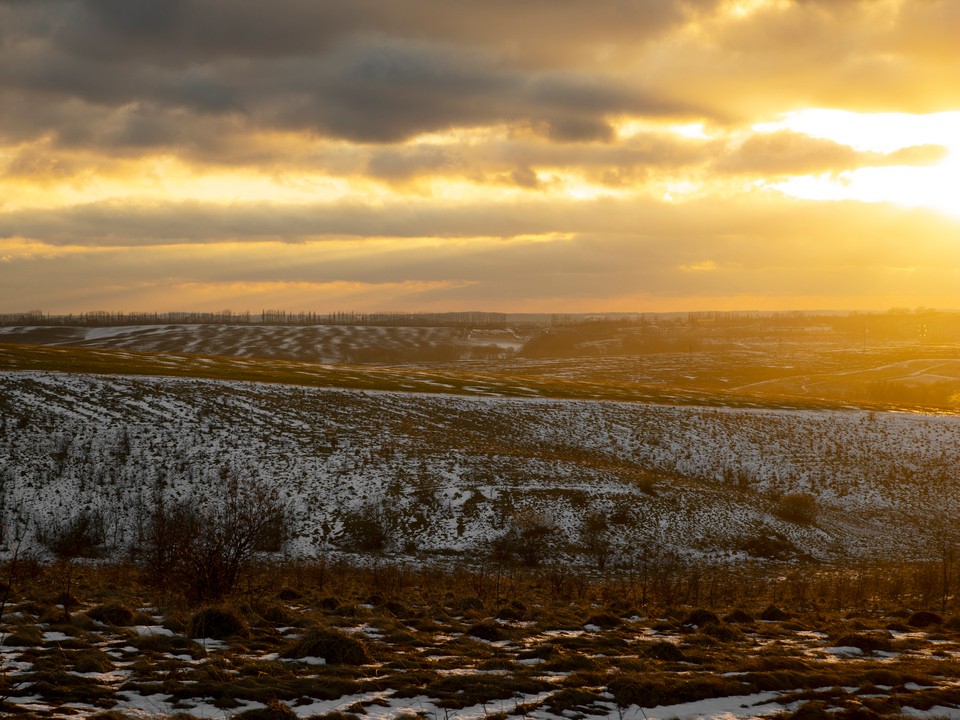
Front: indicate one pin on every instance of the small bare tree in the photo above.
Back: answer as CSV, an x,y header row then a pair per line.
x,y
81,535
203,548
595,538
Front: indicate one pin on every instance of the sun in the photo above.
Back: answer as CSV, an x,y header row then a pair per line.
x,y
934,186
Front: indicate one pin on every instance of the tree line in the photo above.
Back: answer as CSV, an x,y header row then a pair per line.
x,y
265,317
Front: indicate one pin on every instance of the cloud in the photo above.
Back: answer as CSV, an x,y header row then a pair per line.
x,y
791,153
762,224
419,144
707,250
881,55
364,71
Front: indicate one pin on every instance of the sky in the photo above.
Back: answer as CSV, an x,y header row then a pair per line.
x,y
499,155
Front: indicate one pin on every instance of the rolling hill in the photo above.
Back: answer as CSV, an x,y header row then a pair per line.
x,y
447,472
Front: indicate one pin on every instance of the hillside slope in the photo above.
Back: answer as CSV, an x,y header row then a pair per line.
x,y
448,473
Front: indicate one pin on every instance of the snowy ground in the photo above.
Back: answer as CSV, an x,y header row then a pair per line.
x,y
318,343
448,473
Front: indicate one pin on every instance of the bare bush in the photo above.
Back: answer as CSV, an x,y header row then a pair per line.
x,y
203,549
81,535
595,538
526,539
800,508
367,529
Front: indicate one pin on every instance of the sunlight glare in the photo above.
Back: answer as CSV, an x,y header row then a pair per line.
x,y
933,186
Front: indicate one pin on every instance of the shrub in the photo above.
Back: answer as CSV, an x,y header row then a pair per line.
x,y
82,535
526,539
218,623
471,603
800,508
768,544
288,594
595,538
334,646
203,549
367,529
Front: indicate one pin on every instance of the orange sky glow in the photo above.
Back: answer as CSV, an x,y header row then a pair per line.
x,y
427,155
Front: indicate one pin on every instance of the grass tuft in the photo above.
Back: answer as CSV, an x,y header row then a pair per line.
x,y
334,646
218,623
924,619
112,614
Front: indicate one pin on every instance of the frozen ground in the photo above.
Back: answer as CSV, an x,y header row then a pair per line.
x,y
426,658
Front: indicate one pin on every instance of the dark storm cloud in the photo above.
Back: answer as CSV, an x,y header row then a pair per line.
x,y
182,31
365,71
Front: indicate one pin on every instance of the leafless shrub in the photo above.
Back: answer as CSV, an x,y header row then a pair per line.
x,y
203,549
526,539
595,538
81,535
367,529
800,508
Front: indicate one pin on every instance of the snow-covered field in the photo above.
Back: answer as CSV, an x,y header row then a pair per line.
x,y
315,343
447,473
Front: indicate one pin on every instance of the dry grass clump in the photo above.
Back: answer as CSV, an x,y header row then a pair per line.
x,y
865,642
739,617
652,689
334,646
460,691
774,614
218,623
605,620
112,614
24,636
168,645
663,650
488,630
924,619
275,710
577,657
701,617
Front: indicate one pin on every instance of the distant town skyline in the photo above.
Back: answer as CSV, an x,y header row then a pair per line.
x,y
533,157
